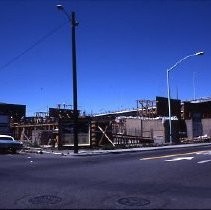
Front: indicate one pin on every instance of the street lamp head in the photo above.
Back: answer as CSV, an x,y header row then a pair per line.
x,y
199,53
60,7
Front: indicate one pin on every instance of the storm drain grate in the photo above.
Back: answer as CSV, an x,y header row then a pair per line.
x,y
45,199
133,201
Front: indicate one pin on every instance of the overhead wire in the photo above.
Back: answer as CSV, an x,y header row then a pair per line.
x,y
39,41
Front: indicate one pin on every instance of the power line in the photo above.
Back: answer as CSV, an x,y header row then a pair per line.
x,y
42,39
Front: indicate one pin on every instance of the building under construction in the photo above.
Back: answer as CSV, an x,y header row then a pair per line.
x,y
197,116
146,125
191,120
53,128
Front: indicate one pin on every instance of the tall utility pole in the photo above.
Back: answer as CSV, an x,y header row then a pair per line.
x,y
73,24
75,96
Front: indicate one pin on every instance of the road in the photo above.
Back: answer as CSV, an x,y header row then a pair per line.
x,y
142,180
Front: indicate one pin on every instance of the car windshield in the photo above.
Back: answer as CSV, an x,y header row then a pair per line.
x,y
6,138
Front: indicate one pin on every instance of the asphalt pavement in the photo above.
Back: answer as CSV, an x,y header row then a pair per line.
x,y
174,178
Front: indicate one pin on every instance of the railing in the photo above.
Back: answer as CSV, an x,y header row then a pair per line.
x,y
131,141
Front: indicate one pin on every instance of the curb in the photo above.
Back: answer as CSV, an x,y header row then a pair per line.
x,y
143,149
117,151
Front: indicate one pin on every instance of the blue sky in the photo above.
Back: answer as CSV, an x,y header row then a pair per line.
x,y
123,50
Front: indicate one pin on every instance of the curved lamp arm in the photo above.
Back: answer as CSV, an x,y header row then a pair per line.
x,y
179,61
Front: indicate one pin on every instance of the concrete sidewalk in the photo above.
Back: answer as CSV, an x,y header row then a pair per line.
x,y
90,152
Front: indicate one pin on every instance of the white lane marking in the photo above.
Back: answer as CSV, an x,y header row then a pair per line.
x,y
204,161
203,153
206,153
199,153
57,153
180,158
168,156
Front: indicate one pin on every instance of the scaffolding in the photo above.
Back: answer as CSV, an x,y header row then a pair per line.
x,y
146,108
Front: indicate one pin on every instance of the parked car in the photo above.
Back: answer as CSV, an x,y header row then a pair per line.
x,y
8,143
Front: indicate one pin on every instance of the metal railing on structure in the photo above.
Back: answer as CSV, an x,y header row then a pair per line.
x,y
131,141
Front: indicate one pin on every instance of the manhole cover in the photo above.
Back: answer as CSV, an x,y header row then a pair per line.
x,y
133,201
45,199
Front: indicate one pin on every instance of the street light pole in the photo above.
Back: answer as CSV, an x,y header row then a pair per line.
x,y
169,106
194,87
168,90
73,24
